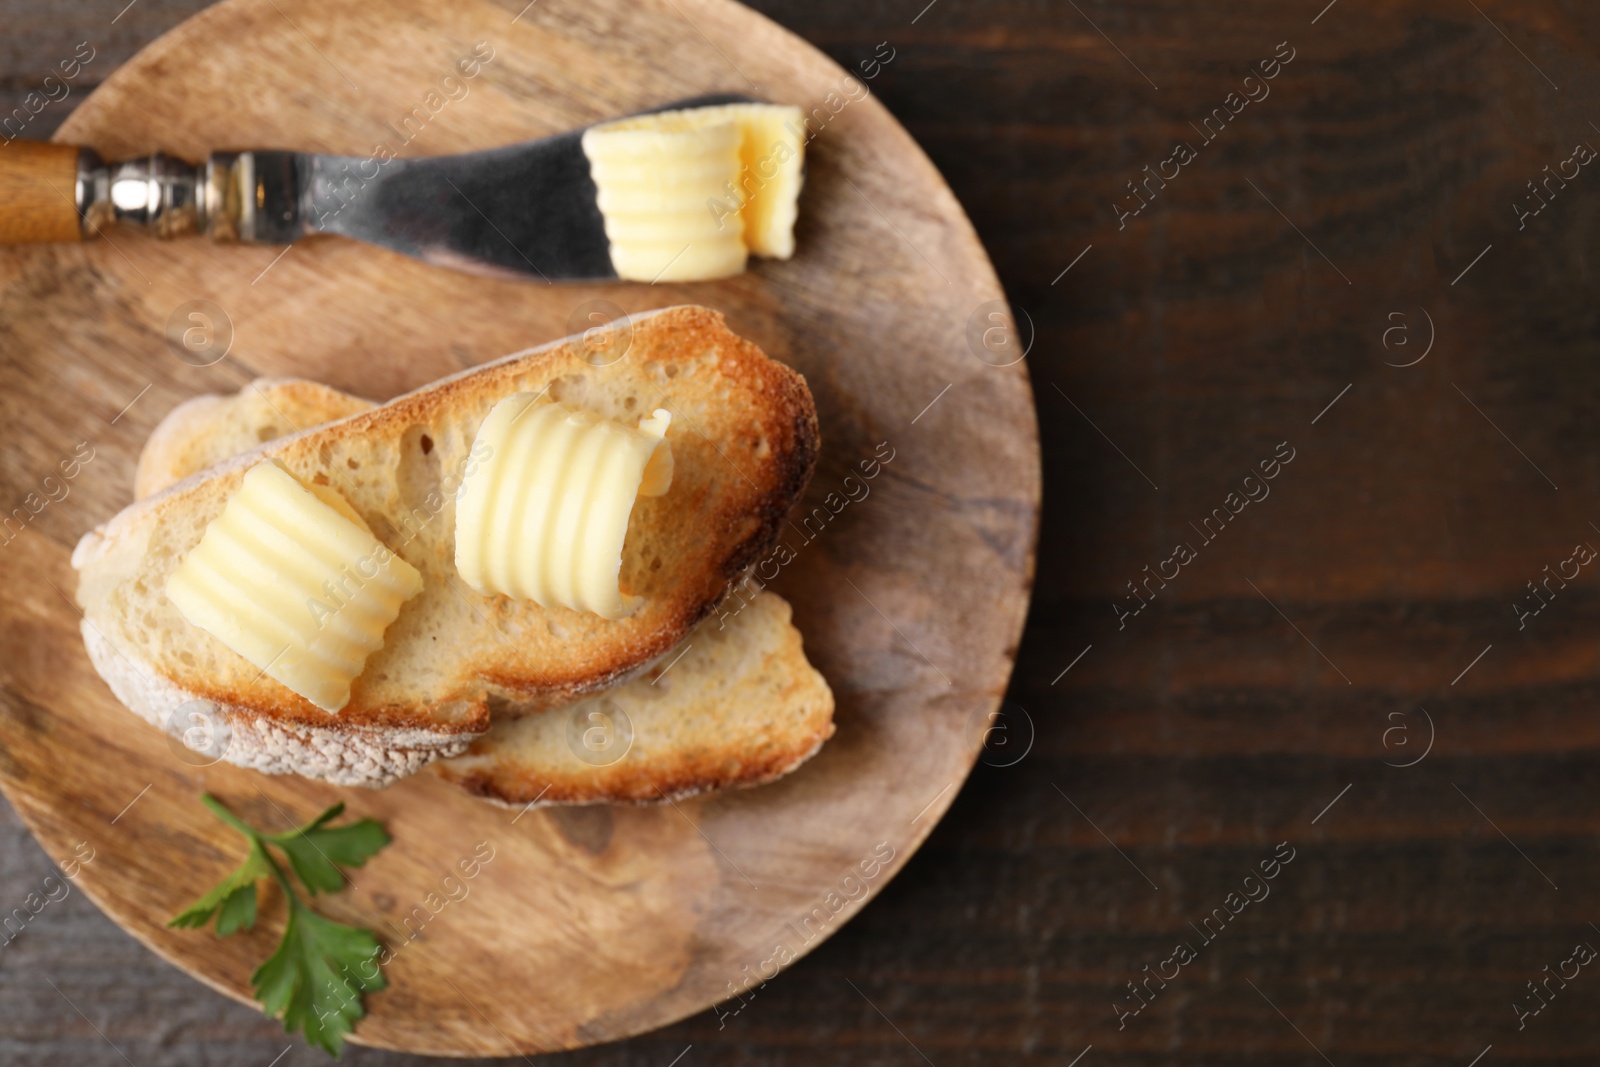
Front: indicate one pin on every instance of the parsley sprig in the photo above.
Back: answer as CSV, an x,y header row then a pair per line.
x,y
315,979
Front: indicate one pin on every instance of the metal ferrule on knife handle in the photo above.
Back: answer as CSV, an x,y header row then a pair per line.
x,y
234,196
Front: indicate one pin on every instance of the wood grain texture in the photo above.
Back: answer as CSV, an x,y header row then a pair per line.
x,y
37,180
585,926
1208,730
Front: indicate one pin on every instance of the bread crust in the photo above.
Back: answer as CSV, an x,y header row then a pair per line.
x,y
737,479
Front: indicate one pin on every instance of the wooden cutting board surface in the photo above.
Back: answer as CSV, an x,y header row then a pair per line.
x,y
585,924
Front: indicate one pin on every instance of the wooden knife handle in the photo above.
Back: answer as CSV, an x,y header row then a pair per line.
x,y
38,182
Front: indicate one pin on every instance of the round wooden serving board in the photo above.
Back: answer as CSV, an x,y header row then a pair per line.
x,y
587,924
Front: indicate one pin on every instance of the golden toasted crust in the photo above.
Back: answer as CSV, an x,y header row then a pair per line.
x,y
744,438
740,707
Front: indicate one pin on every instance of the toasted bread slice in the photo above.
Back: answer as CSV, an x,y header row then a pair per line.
x,y
744,440
740,706
737,705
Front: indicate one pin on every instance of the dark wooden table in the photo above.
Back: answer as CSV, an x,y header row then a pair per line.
x,y
1340,280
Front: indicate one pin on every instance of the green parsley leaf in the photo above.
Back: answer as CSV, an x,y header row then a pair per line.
x,y
316,978
238,912
316,851
232,900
